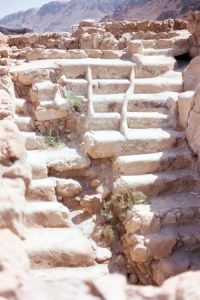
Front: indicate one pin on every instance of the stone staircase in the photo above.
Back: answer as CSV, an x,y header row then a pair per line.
x,y
150,156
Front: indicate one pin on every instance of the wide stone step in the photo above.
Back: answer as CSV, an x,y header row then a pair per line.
x,y
160,102
34,141
46,214
174,51
24,123
152,162
157,183
80,273
108,143
173,209
42,190
148,67
58,247
61,159
101,68
172,82
111,121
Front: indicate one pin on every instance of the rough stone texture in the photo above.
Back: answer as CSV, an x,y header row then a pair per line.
x,y
191,75
193,129
68,188
194,28
185,104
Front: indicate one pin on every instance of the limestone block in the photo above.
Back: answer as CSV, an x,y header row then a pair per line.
x,y
43,91
7,106
193,132
92,203
68,188
185,104
30,77
134,47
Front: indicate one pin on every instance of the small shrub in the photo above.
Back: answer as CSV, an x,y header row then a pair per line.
x,y
53,139
114,208
74,101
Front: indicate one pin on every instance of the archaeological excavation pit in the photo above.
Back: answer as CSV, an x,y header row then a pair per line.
x,y
108,123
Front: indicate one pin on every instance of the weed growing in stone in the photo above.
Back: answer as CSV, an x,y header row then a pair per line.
x,y
54,140
114,209
74,101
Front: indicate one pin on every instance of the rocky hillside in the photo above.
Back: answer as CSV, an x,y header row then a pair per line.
x,y
61,15
153,9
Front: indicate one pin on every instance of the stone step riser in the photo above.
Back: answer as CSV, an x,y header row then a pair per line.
x,y
113,123
139,167
135,105
159,186
97,149
46,216
100,88
24,124
41,192
35,143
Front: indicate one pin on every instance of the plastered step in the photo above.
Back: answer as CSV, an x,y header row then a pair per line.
x,y
34,141
58,159
42,190
46,214
174,51
165,102
148,67
171,82
172,209
152,162
157,183
111,121
81,273
108,143
58,247
101,68
24,123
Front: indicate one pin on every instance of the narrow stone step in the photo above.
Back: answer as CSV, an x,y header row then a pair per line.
x,y
46,214
111,121
108,143
160,102
34,141
38,164
58,247
152,162
60,159
156,183
42,190
24,123
81,273
148,67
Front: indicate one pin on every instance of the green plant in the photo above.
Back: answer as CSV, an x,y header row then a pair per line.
x,y
53,139
75,101
113,210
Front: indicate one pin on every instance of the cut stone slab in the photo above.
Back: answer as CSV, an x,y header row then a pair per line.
x,y
152,162
34,141
60,159
24,123
46,214
42,189
63,247
82,273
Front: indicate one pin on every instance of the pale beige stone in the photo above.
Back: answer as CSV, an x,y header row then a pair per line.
x,y
185,104
68,188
